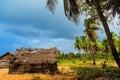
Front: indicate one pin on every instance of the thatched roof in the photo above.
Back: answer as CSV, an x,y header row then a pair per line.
x,y
7,53
36,55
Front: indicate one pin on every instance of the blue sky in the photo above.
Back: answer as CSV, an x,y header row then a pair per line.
x,y
27,23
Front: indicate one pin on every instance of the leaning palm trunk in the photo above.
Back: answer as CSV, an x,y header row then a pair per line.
x,y
105,25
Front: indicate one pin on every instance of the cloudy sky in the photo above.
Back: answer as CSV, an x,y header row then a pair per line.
x,y
27,23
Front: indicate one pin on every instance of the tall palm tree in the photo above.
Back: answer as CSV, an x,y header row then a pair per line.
x,y
106,48
85,46
78,45
90,29
98,47
106,27
72,11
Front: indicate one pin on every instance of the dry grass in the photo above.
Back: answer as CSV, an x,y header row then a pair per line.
x,y
66,73
5,76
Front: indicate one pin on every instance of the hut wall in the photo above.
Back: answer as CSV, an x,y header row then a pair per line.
x,y
16,68
33,68
4,61
49,68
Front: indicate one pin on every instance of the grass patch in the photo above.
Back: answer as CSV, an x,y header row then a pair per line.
x,y
69,69
78,63
88,72
111,72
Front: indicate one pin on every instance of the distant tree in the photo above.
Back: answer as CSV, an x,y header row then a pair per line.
x,y
71,55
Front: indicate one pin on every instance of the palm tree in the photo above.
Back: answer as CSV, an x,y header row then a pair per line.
x,y
106,27
78,45
90,27
106,48
72,12
98,47
85,46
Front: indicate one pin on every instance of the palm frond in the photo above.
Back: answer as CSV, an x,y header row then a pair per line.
x,y
114,6
71,10
51,5
89,2
95,27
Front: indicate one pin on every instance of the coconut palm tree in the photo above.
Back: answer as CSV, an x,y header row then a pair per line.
x,y
72,12
78,45
90,29
85,46
106,48
98,47
96,3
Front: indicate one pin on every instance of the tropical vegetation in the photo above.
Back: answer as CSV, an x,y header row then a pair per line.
x,y
99,10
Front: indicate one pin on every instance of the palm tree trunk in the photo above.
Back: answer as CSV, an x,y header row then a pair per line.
x,y
106,27
80,54
94,59
94,56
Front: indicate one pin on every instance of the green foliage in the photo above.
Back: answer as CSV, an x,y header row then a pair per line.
x,y
97,10
87,72
101,50
111,72
91,73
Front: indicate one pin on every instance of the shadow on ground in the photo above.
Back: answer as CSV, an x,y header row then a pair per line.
x,y
88,73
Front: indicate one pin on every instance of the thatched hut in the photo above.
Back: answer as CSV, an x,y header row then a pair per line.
x,y
34,60
4,60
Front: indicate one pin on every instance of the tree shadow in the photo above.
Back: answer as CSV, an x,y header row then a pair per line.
x,y
87,73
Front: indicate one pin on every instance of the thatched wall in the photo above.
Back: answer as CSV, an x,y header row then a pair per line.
x,y
33,68
4,60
